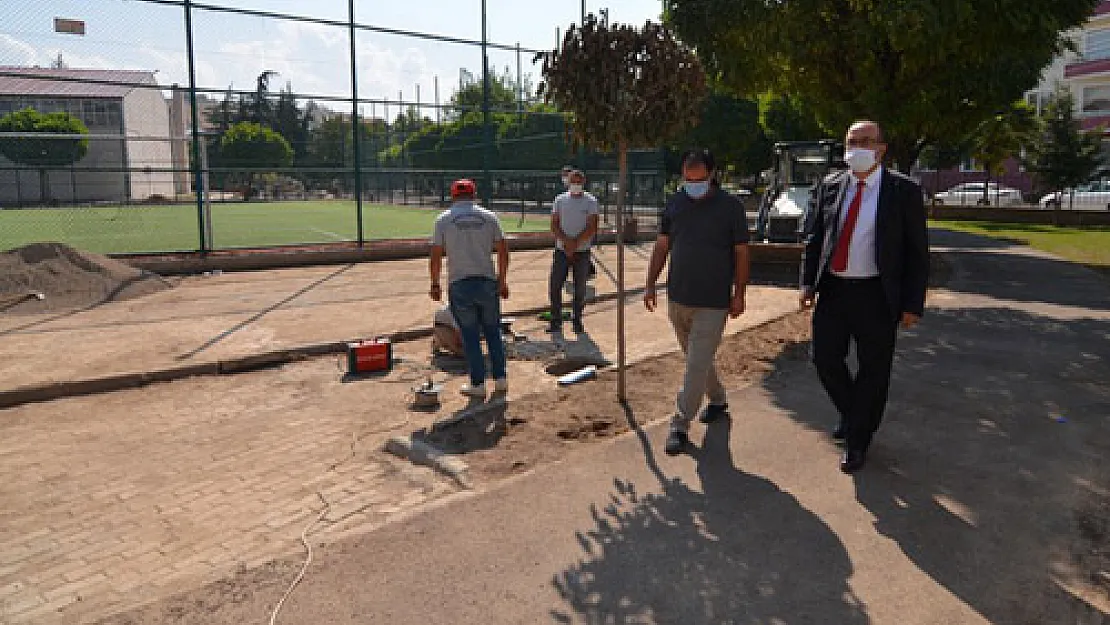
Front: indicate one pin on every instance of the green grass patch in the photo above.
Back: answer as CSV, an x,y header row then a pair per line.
x,y
168,228
1089,245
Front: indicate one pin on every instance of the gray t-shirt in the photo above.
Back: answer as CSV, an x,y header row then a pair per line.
x,y
702,237
467,233
574,215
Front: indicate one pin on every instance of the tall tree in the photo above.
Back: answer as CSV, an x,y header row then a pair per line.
x,y
627,88
1002,136
925,69
253,149
503,92
729,126
787,118
54,142
1063,155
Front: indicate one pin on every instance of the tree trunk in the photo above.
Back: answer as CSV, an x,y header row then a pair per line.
x,y
622,169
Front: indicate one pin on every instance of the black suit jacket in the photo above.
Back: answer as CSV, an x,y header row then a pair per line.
x,y
901,236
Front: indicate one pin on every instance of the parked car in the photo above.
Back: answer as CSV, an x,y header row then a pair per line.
x,y
971,194
1094,195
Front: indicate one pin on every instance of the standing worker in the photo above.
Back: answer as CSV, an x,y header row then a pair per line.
x,y
574,223
867,257
705,232
468,233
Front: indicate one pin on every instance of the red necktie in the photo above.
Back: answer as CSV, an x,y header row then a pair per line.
x,y
844,243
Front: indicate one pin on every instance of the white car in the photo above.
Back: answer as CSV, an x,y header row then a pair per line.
x,y
1094,195
971,194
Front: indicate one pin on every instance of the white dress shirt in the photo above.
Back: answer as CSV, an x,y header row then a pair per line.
x,y
862,262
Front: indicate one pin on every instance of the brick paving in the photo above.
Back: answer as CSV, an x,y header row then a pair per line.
x,y
127,496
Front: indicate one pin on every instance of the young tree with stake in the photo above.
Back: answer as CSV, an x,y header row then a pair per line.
x,y
626,88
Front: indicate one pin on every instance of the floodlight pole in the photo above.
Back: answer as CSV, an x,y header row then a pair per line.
x,y
487,184
198,184
355,128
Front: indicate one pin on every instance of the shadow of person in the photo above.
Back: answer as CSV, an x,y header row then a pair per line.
x,y
477,426
991,458
739,551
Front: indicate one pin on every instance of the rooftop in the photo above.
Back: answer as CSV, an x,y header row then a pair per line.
x,y
71,83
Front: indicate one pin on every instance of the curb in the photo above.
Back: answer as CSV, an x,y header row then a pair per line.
x,y
419,452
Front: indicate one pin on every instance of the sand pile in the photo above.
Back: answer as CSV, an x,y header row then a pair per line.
x,y
68,278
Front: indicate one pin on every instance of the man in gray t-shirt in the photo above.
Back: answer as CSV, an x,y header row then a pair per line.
x,y
574,223
467,234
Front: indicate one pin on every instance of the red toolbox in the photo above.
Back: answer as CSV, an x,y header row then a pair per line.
x,y
370,356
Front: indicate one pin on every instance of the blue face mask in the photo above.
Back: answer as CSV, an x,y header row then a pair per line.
x,y
696,190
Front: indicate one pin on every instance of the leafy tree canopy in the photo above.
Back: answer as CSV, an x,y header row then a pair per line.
x,y
47,151
247,144
626,86
927,70
1063,155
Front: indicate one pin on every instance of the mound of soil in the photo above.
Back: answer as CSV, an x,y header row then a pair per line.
x,y
67,278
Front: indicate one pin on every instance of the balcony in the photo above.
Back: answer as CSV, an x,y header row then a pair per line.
x,y
1087,68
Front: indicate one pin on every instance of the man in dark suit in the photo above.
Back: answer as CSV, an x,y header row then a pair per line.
x,y
866,265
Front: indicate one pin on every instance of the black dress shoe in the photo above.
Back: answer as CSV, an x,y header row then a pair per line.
x,y
713,412
676,443
841,432
853,460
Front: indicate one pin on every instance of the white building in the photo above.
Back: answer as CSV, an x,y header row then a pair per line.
x,y
129,156
1085,72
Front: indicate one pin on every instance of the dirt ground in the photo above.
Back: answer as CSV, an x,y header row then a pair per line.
x,y
535,429
52,277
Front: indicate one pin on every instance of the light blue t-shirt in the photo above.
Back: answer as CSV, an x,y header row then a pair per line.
x,y
467,233
574,215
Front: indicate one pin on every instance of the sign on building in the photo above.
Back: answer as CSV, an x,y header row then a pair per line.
x,y
72,27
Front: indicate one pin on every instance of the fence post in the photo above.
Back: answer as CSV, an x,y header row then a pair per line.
x,y
355,127
195,115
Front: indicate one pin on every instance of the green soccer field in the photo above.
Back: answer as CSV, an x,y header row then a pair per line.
x,y
167,228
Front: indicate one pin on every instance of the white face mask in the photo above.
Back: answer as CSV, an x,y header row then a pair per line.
x,y
696,190
860,159
576,187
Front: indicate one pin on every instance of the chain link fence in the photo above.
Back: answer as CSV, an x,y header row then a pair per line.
x,y
172,125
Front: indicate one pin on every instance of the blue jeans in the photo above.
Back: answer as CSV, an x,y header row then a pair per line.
x,y
579,266
476,306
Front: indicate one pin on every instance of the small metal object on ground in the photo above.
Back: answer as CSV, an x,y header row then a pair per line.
x,y
426,396
585,373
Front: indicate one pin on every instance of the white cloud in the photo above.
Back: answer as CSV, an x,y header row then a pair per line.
x,y
15,51
314,58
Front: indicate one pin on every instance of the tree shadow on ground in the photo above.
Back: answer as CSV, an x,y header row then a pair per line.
x,y
739,551
990,469
992,267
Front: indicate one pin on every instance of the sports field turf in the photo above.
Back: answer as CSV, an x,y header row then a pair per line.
x,y
166,228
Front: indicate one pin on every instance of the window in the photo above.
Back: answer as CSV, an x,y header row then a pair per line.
x,y
1096,99
970,166
1097,45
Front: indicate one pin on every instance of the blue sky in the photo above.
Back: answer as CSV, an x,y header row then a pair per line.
x,y
231,49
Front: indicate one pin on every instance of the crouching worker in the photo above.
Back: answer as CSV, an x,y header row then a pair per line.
x,y
446,338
